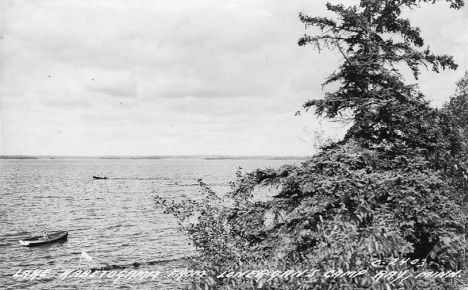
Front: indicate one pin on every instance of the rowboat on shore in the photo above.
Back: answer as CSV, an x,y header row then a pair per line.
x,y
99,177
40,240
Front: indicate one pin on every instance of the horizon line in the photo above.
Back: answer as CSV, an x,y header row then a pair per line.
x,y
180,155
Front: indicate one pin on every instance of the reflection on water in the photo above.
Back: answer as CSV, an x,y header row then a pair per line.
x,y
115,221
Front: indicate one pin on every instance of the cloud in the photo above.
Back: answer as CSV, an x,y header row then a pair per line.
x,y
165,77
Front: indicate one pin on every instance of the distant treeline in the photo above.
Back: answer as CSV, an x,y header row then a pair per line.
x,y
16,157
132,157
205,157
257,158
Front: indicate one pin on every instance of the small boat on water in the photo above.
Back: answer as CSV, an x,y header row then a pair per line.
x,y
40,240
99,177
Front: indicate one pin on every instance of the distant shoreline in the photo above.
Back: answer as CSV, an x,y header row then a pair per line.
x,y
204,157
17,157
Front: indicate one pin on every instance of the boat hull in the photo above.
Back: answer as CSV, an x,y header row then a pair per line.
x,y
40,241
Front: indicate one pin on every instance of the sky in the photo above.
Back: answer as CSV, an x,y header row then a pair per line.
x,y
161,77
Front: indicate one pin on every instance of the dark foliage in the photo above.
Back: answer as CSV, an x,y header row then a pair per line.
x,y
393,188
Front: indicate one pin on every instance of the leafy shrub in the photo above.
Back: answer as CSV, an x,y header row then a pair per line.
x,y
393,188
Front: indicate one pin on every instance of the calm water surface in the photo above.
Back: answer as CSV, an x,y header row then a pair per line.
x,y
115,221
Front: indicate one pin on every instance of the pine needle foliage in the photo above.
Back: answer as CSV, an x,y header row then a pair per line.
x,y
392,190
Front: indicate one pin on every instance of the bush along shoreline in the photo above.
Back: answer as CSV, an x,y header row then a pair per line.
x,y
358,214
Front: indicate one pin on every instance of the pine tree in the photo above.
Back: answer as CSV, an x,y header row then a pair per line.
x,y
384,192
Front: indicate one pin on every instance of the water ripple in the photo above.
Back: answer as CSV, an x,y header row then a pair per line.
x,y
115,220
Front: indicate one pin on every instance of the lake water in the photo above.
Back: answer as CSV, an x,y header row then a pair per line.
x,y
115,221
